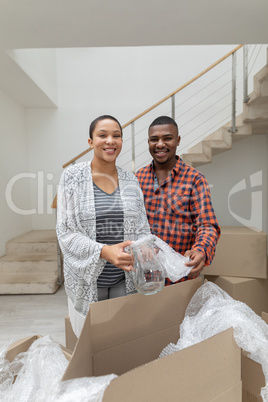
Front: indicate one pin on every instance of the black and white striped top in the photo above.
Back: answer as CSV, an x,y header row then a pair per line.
x,y
109,230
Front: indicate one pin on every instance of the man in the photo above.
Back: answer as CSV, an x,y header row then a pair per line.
x,y
177,199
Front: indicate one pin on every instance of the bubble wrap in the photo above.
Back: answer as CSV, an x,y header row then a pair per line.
x,y
172,262
211,311
86,389
6,375
39,372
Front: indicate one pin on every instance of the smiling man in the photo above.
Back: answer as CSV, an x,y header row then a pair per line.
x,y
177,199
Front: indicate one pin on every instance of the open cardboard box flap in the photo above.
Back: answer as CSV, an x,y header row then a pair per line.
x,y
199,373
121,334
23,345
125,336
252,375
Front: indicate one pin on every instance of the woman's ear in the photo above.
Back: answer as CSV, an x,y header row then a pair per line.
x,y
90,143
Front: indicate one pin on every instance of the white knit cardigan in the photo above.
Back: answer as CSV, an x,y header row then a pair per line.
x,y
76,230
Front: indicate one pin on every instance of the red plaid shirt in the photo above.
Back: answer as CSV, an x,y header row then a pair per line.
x,y
180,211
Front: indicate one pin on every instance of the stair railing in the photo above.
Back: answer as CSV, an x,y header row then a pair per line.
x,y
170,97
249,61
135,137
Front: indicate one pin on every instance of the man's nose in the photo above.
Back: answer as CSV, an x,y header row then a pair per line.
x,y
160,143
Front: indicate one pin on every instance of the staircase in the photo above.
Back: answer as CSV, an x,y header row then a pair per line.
x,y
253,120
31,264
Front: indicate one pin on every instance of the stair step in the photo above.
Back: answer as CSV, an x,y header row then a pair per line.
x,y
253,120
37,241
29,257
45,263
195,159
259,126
31,264
28,283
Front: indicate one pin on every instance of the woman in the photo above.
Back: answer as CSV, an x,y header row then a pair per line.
x,y
100,212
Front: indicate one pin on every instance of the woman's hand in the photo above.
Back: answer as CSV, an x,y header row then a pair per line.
x,y
117,256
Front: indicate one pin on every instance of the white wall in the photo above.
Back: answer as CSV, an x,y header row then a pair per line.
x,y
13,162
122,82
239,179
92,81
40,65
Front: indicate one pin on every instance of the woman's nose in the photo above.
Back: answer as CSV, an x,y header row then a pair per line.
x,y
110,138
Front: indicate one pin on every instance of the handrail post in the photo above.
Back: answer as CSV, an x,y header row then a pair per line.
x,y
245,73
133,146
233,128
173,107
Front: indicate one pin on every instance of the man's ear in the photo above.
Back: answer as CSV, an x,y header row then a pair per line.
x,y
179,140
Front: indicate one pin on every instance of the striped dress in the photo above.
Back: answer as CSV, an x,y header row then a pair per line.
x,y
109,230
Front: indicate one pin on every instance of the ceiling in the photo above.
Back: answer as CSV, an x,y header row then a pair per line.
x,y
39,24
86,23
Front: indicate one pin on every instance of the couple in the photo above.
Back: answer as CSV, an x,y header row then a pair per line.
x,y
101,211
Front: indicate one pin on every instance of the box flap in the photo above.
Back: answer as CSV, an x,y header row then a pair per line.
x,y
264,316
198,373
125,357
114,322
252,376
20,346
129,317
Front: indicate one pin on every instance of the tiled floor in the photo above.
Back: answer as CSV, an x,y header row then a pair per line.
x,y
25,315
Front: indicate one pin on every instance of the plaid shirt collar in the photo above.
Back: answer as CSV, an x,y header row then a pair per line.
x,y
176,168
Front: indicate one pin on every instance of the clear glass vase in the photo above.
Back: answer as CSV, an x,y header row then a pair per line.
x,y
147,273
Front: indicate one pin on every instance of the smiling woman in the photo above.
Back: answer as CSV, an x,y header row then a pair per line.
x,y
100,212
106,140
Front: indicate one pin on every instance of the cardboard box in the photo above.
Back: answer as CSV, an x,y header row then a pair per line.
x,y
200,373
126,335
70,337
23,345
121,334
252,376
240,252
265,317
253,292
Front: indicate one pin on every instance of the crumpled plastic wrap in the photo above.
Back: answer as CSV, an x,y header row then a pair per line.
x,y
211,311
172,262
6,376
39,372
86,389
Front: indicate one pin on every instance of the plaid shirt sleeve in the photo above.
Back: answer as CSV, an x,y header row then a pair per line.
x,y
204,219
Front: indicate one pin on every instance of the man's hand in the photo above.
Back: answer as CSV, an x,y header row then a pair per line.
x,y
117,256
197,261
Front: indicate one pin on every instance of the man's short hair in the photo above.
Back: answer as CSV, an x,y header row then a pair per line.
x,y
163,120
